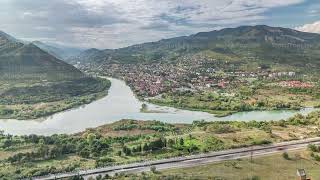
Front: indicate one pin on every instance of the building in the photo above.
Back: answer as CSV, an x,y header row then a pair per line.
x,y
301,175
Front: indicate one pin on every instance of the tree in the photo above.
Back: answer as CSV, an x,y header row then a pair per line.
x,y
145,147
170,143
119,153
43,151
85,153
7,143
90,138
139,148
54,152
144,107
127,151
76,178
157,144
285,155
153,169
181,141
313,148
99,177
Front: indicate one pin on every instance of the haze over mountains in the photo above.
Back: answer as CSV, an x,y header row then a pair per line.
x,y
27,61
90,55
59,51
264,44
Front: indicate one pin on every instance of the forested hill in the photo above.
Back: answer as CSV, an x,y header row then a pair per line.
x,y
34,83
258,43
20,61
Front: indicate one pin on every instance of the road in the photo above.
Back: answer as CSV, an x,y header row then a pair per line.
x,y
190,161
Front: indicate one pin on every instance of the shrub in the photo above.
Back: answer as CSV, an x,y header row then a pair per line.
x,y
153,169
313,148
285,155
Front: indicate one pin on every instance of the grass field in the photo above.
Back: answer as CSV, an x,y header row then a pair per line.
x,y
269,167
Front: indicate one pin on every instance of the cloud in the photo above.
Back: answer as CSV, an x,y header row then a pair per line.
x,y
118,23
313,28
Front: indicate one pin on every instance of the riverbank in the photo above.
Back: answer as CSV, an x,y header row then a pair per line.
x,y
31,104
216,113
222,106
129,141
121,103
219,113
226,104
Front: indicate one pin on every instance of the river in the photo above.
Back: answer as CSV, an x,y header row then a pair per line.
x,y
122,104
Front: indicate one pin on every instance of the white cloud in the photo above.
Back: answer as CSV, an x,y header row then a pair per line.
x,y
118,23
150,20
313,28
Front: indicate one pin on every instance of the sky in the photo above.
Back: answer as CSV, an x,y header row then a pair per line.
x,y
109,24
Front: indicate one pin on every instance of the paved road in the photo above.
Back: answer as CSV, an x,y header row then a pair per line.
x,y
190,161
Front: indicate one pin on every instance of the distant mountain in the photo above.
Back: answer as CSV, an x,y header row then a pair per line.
x,y
20,61
6,37
91,55
262,44
59,51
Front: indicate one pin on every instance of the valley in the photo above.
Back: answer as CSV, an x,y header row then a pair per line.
x,y
220,72
207,92
159,90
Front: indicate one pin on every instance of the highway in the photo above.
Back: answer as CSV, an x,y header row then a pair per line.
x,y
190,161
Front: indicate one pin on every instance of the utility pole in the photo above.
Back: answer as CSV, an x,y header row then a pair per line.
x,y
251,160
251,155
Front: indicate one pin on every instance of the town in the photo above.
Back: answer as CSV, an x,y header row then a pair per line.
x,y
196,73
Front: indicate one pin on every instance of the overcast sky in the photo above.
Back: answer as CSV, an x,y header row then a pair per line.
x,y
118,23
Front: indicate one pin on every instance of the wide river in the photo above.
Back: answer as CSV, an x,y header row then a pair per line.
x,y
122,104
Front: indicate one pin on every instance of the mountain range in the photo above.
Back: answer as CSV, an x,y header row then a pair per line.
x,y
261,44
247,44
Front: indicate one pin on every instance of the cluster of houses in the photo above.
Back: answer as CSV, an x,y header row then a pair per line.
x,y
295,84
192,73
148,79
282,74
146,85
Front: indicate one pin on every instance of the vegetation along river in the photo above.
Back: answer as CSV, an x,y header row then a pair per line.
x,y
122,104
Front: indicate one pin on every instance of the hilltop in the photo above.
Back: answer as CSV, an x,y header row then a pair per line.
x,y
34,83
20,61
260,44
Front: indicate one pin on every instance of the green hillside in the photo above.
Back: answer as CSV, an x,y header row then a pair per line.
x,y
261,44
20,62
34,83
